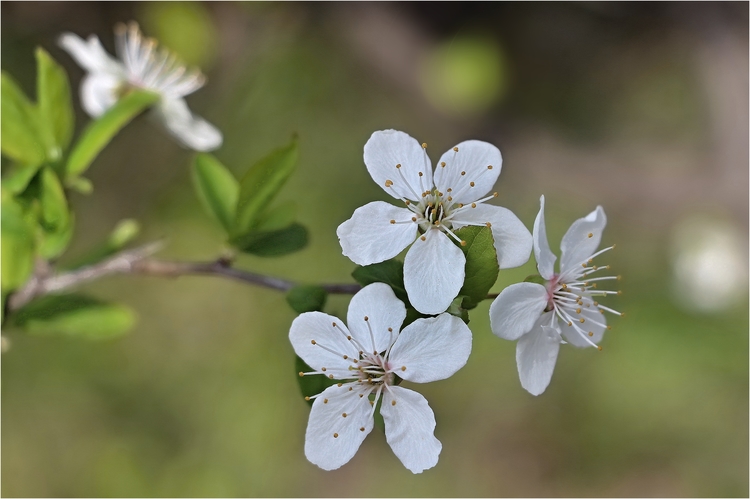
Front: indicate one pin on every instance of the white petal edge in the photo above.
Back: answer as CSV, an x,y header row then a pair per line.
x,y
99,93
90,55
545,259
387,148
433,272
516,309
431,349
512,239
536,355
369,236
582,239
409,428
326,419
190,130
383,310
473,158
318,327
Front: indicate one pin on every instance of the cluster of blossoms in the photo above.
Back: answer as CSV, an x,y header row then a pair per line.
x,y
370,355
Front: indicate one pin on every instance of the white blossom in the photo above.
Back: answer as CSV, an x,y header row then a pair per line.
x,y
436,204
539,316
369,357
141,64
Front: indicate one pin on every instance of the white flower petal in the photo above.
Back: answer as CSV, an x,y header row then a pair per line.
x,y
431,349
383,310
512,239
90,55
594,322
582,239
473,158
324,449
99,93
369,236
190,130
545,259
318,327
433,272
409,428
536,355
515,311
387,148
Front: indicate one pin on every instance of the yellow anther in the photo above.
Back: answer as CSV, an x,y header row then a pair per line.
x,y
494,194
590,261
361,428
622,314
307,398
463,243
564,286
413,219
460,205
390,329
581,320
393,221
488,224
449,189
407,202
463,173
489,167
578,310
343,415
450,198
591,234
583,265
330,376
614,246
424,145
338,384
619,277
333,324
403,368
619,292
361,394
393,402
301,374
366,318
442,163
591,333
335,435
423,238
398,165
609,328
601,311
607,267
388,183
349,338
323,369
346,357
325,401
421,174
596,303
599,348
570,323
471,184
312,341
473,205
455,149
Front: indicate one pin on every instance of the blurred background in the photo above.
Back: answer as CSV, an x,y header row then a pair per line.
x,y
639,107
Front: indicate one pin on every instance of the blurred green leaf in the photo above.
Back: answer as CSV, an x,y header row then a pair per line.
x,y
217,188
390,272
81,184
481,264
54,242
306,298
75,315
313,384
56,118
21,139
54,203
100,132
273,243
17,243
17,179
278,218
261,183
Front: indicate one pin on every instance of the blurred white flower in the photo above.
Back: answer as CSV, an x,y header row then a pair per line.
x,y
540,316
367,357
436,205
143,65
709,264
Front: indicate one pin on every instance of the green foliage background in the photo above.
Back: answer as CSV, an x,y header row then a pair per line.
x,y
600,104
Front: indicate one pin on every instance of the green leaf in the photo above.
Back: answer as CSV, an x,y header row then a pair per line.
x,y
313,384
481,264
390,272
21,139
99,132
56,118
75,315
17,243
278,218
535,278
18,178
53,243
81,184
55,212
306,298
261,183
273,243
217,188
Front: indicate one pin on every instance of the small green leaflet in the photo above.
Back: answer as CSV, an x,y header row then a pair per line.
x,y
481,264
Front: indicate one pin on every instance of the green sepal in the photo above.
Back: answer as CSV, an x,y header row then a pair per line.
x,y
100,132
312,384
260,185
17,243
56,115
535,278
390,272
76,316
273,243
481,268
19,125
456,308
306,298
217,189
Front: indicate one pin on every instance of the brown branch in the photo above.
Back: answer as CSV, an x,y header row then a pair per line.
x,y
137,261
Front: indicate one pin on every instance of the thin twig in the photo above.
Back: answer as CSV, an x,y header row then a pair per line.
x,y
137,261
